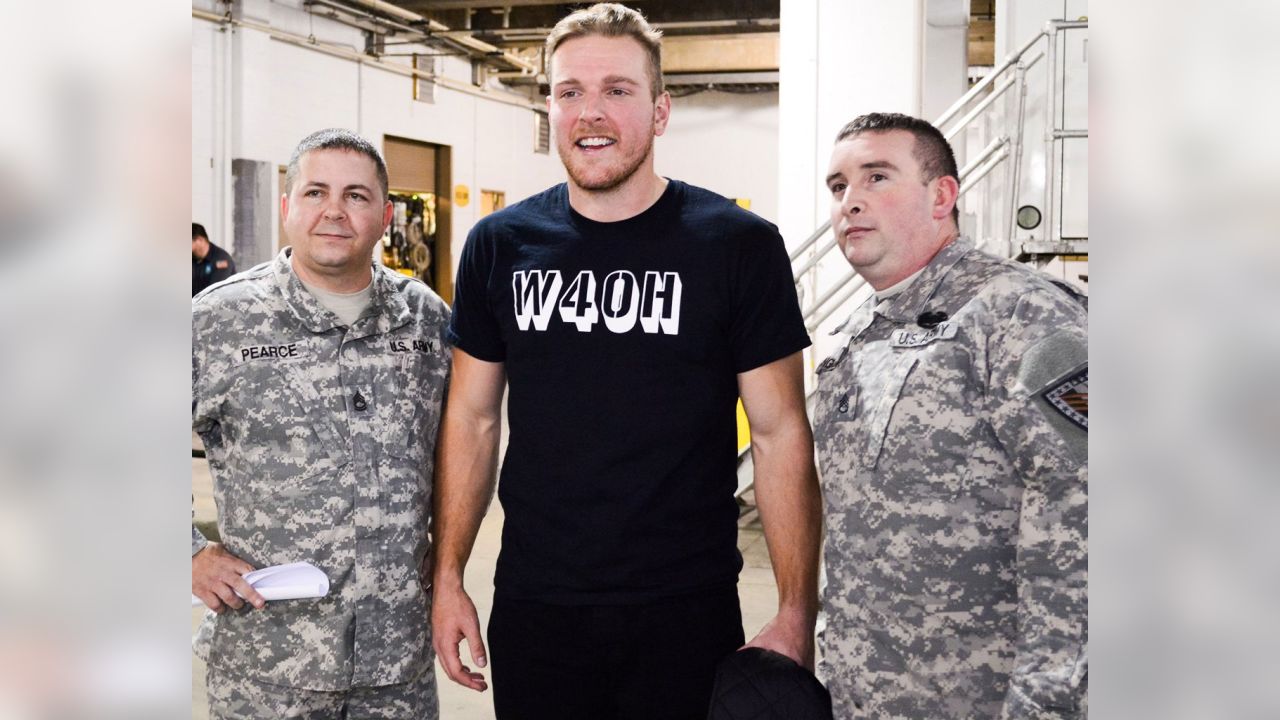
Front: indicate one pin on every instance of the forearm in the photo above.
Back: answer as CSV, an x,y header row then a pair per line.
x,y
1051,665
789,499
465,478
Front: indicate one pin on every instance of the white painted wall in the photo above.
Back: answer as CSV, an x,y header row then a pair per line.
x,y
727,143
281,92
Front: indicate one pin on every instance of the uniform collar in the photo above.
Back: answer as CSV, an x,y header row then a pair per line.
x,y
907,305
388,309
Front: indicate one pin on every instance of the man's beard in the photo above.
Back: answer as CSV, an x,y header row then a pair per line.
x,y
610,181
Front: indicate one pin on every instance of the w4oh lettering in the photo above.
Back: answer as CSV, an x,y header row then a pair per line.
x,y
619,300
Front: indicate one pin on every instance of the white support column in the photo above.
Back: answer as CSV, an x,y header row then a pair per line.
x,y
945,74
839,59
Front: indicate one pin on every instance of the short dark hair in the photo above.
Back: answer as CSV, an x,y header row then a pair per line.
x,y
611,20
197,231
336,139
932,151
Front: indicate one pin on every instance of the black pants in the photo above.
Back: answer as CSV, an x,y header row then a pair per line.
x,y
611,662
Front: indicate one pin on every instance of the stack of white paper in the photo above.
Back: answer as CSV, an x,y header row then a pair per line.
x,y
285,582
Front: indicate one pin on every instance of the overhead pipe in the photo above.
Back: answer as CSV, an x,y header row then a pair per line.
x,y
361,58
437,29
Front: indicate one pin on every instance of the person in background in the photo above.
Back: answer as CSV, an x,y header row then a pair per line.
x,y
209,263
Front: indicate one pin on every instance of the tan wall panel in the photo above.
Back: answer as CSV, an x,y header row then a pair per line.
x,y
721,53
411,165
982,42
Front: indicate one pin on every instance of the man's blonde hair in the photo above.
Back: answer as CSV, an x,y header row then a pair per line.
x,y
611,20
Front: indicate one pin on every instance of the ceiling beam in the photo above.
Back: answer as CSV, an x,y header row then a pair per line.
x,y
476,4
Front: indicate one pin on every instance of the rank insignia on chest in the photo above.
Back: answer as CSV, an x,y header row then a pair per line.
x,y
1070,396
918,338
841,405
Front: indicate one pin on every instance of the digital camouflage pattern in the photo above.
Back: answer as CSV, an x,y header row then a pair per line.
x,y
233,696
956,498
320,438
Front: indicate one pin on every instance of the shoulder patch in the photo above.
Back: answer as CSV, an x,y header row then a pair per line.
x,y
1070,397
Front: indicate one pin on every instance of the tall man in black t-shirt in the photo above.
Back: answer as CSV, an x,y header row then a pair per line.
x,y
627,313
209,263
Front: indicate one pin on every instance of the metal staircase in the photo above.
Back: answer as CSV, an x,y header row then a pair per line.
x,y
989,130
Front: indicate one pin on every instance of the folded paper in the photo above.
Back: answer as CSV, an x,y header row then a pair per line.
x,y
285,582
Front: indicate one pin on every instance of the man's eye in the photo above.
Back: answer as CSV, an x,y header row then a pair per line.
x,y
618,91
570,94
356,196
877,177
837,188
312,193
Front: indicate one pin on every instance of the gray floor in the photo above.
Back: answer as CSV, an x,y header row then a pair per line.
x,y
755,587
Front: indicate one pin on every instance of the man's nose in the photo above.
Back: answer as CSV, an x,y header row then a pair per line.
x,y
851,204
592,109
333,209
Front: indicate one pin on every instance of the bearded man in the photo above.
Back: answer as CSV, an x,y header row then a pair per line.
x,y
627,312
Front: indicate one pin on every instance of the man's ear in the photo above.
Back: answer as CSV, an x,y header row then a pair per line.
x,y
946,192
284,207
661,113
388,211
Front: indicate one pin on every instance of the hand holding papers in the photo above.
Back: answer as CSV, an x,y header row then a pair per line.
x,y
285,582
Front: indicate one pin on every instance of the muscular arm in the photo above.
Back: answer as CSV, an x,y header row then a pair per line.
x,y
787,493
467,458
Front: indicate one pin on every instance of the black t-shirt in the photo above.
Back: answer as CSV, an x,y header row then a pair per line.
x,y
622,343
216,266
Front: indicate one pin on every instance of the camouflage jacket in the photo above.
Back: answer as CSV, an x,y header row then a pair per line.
x,y
954,473
320,438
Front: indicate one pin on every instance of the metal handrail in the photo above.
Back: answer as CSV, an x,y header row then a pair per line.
x,y
976,90
849,289
987,152
808,243
982,171
986,102
813,259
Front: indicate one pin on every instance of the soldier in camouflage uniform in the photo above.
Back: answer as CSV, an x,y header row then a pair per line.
x,y
951,428
317,384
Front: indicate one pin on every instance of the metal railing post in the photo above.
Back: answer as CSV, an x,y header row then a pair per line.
x,y
1051,112
1015,184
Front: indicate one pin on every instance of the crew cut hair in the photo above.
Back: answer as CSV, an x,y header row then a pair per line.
x,y
931,150
611,20
198,231
336,139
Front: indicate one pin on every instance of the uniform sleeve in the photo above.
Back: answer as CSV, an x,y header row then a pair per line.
x,y
1043,350
766,324
202,419
474,327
